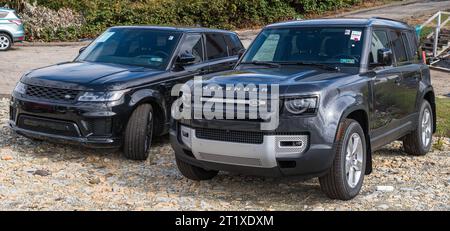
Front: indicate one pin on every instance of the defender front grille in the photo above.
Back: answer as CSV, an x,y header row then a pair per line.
x,y
48,93
230,136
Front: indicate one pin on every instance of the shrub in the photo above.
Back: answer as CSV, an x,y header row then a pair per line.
x,y
225,14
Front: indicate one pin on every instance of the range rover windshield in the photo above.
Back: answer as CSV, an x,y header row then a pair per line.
x,y
150,48
328,45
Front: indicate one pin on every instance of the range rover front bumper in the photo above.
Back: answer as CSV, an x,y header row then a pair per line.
x,y
277,155
89,125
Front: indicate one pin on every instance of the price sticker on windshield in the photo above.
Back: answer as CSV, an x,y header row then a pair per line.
x,y
356,35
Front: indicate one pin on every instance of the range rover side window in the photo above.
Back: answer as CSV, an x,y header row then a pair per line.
x,y
192,44
234,44
379,41
216,46
398,47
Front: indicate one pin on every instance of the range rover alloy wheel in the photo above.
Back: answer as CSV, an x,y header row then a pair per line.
x,y
345,178
419,142
139,133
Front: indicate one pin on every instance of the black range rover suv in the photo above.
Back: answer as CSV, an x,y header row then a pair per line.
x,y
346,88
117,91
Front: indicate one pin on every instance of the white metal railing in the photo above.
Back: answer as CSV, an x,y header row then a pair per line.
x,y
437,30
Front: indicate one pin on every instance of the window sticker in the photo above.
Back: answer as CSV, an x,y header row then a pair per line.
x,y
171,38
356,35
348,32
347,61
105,36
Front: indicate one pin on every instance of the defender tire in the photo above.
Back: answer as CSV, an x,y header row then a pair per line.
x,y
195,173
345,178
138,133
419,142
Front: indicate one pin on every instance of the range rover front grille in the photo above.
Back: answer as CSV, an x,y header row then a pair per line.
x,y
230,136
56,94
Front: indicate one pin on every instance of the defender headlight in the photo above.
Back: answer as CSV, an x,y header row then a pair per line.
x,y
20,88
101,96
299,106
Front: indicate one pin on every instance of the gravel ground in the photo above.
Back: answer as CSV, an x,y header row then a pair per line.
x,y
43,176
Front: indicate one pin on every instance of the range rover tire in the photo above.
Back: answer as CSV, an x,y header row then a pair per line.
x,y
138,133
5,42
345,178
195,173
419,142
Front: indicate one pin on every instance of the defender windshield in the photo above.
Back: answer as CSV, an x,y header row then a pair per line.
x,y
150,48
327,45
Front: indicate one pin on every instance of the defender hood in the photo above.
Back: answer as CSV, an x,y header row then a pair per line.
x,y
282,76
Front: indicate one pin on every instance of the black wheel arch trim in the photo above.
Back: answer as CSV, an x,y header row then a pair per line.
x,y
156,99
349,110
427,90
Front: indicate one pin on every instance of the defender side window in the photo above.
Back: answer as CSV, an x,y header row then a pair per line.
x,y
413,46
216,46
379,41
192,44
398,47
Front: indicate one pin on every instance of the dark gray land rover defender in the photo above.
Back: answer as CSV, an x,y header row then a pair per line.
x,y
346,88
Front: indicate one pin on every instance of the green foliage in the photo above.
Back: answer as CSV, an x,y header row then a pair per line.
x,y
443,120
225,14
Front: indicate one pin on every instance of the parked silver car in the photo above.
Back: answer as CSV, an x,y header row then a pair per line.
x,y
11,29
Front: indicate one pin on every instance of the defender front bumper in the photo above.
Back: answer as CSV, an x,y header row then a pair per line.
x,y
277,155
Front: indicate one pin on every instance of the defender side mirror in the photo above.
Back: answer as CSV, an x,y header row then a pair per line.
x,y
385,57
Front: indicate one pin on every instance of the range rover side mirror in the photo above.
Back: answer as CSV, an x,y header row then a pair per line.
x,y
82,49
385,57
185,59
241,52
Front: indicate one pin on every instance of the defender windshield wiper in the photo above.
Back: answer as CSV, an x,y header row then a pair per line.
x,y
319,65
260,63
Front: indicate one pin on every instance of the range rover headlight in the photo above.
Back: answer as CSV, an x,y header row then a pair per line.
x,y
20,88
101,96
299,106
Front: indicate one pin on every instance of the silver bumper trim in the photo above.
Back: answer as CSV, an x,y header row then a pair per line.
x,y
254,155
